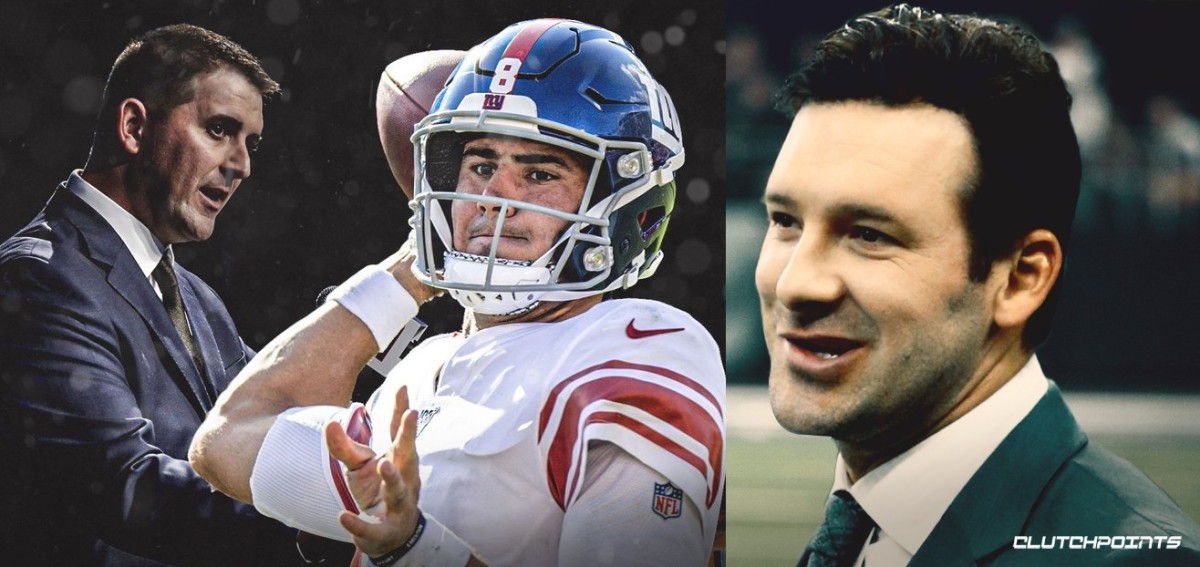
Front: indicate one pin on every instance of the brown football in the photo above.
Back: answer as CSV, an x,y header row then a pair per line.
x,y
406,90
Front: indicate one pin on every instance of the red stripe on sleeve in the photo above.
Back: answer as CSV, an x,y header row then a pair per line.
x,y
655,399
622,365
666,443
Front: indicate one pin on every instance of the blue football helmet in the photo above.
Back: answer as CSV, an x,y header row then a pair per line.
x,y
570,85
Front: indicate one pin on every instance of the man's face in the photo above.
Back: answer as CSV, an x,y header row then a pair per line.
x,y
197,154
520,170
871,322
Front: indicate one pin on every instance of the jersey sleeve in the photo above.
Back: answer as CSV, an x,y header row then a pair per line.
x,y
295,480
649,380
618,517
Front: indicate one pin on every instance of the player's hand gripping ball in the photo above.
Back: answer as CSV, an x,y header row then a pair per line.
x,y
406,91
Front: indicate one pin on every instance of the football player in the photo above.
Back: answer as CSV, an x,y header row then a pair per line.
x,y
558,427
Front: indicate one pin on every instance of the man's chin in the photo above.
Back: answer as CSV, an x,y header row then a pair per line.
x,y
802,408
195,232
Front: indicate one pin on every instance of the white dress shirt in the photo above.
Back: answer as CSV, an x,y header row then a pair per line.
x,y
907,496
147,250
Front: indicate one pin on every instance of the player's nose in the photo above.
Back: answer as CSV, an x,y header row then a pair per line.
x,y
503,184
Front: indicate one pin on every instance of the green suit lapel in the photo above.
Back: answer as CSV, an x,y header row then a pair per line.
x,y
995,504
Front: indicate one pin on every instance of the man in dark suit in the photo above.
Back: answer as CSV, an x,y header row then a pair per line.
x,y
919,213
110,354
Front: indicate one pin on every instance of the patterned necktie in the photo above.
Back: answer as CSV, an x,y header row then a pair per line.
x,y
841,537
164,275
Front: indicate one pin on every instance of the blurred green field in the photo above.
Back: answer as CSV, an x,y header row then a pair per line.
x,y
778,483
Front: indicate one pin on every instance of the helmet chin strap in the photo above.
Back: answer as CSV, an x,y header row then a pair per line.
x,y
468,268
463,268
473,269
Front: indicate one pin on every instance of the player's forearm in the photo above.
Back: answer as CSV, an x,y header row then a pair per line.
x,y
313,362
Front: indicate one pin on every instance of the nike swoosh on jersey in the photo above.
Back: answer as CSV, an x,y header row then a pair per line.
x,y
636,333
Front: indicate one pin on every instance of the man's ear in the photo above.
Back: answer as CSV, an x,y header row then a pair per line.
x,y
1031,270
131,125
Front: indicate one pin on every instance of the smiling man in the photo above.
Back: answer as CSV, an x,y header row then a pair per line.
x,y
111,355
919,213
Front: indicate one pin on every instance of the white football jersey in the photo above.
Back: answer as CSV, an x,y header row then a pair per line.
x,y
507,415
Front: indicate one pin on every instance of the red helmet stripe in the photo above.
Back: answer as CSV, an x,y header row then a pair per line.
x,y
523,42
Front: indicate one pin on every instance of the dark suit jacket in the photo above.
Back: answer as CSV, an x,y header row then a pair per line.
x,y
98,404
1045,480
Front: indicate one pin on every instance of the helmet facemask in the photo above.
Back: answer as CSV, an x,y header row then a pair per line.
x,y
575,87
579,263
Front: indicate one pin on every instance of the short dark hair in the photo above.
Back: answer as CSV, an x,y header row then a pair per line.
x,y
1009,91
157,68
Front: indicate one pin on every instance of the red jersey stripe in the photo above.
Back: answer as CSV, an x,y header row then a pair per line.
x,y
662,441
552,399
664,403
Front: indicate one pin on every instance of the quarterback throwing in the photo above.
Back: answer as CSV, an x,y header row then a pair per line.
x,y
558,427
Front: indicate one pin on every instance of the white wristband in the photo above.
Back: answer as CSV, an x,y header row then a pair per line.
x,y
379,301
438,547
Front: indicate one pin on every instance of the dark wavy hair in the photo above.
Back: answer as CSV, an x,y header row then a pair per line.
x,y
157,68
1009,91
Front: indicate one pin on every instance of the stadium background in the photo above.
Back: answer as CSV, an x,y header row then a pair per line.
x,y
321,202
1124,346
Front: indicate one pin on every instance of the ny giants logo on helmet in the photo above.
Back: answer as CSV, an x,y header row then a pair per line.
x,y
493,102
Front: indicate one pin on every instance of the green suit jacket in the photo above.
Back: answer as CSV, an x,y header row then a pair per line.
x,y
1046,480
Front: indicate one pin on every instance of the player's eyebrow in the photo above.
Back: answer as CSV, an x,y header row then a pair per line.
x,y
539,158
485,153
531,158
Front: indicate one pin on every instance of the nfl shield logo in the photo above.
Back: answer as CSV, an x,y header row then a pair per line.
x,y
668,501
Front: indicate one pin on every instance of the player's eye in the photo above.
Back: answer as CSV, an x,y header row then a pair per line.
x,y
218,129
541,176
483,169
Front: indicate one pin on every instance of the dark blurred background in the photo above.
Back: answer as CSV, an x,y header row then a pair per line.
x,y
321,202
1128,315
